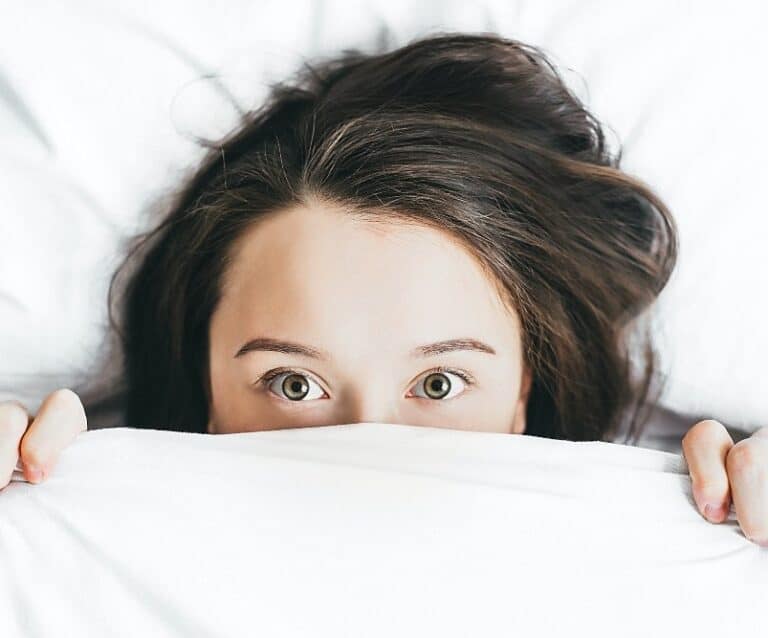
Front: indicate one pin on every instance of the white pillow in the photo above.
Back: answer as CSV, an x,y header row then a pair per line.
x,y
368,530
682,90
100,103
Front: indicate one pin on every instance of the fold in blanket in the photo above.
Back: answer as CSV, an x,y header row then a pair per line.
x,y
368,529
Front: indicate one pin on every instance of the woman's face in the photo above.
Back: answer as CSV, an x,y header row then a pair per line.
x,y
325,319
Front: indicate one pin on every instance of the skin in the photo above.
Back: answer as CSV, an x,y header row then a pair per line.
x,y
374,295
723,472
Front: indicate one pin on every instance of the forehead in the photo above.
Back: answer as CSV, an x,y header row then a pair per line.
x,y
319,274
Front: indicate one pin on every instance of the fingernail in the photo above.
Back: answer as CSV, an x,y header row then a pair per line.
x,y
35,474
713,512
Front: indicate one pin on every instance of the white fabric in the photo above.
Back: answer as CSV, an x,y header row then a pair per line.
x,y
369,530
100,101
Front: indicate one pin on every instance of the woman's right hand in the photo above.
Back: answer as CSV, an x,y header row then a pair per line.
x,y
36,442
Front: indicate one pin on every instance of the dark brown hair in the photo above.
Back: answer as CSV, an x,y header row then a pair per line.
x,y
474,134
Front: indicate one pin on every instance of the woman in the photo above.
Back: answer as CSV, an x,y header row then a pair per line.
x,y
433,236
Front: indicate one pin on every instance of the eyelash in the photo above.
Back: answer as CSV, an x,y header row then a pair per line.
x,y
267,378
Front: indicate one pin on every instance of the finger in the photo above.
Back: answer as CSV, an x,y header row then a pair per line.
x,y
705,447
13,423
60,419
747,465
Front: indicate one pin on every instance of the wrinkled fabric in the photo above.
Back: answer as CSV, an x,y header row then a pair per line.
x,y
368,529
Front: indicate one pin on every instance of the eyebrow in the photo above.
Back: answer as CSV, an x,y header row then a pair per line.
x,y
427,350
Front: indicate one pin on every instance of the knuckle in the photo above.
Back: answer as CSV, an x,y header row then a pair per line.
x,y
13,403
13,417
709,488
742,458
68,402
704,430
65,396
756,533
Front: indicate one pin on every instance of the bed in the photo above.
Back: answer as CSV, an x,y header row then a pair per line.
x,y
369,529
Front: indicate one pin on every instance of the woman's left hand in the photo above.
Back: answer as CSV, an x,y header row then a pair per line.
x,y
721,470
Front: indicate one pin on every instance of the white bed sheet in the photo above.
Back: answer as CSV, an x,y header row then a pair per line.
x,y
369,529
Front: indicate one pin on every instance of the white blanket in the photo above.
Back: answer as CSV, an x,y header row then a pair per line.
x,y
369,530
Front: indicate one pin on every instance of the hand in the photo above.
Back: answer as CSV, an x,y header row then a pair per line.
x,y
721,470
38,440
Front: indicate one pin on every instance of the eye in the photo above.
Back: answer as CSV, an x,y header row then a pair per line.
x,y
441,384
294,386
